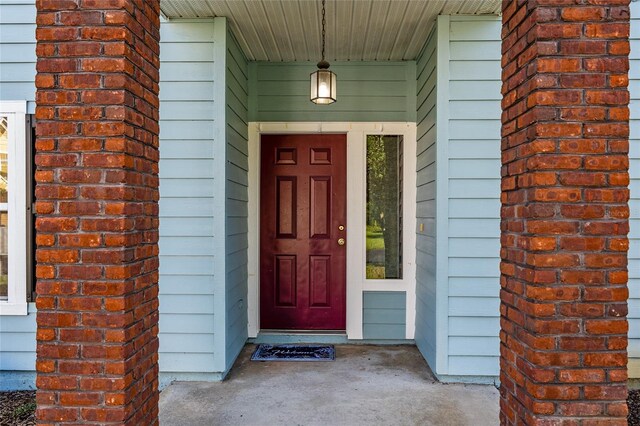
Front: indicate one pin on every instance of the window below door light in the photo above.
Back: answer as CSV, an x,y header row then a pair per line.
x,y
384,207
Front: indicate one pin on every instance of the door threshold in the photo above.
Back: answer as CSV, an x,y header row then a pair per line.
x,y
279,337
305,332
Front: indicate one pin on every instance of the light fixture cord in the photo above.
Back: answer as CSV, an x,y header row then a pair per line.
x,y
323,31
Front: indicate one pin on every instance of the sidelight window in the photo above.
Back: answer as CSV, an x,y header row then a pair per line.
x,y
384,207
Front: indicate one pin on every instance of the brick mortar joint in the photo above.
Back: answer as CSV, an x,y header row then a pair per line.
x,y
140,60
131,53
529,51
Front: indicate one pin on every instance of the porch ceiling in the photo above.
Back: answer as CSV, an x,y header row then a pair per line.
x,y
357,30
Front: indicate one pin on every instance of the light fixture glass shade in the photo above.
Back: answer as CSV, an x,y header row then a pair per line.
x,y
323,87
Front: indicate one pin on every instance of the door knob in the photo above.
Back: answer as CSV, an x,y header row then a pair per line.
x,y
341,241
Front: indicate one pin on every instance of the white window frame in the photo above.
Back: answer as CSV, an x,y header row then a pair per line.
x,y
16,113
408,281
357,283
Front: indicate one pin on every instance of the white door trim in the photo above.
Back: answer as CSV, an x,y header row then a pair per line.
x,y
356,186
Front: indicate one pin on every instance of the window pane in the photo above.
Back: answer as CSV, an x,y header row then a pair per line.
x,y
384,207
4,214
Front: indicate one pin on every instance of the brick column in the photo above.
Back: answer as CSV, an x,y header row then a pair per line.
x,y
97,211
564,212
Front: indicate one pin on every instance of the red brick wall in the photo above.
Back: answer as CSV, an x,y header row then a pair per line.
x,y
97,211
564,212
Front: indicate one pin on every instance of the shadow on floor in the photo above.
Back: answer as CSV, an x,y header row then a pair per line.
x,y
372,385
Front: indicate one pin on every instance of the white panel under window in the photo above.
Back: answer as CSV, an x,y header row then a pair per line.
x,y
13,208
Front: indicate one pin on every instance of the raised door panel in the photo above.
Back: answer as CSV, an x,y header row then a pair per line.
x,y
285,280
320,206
286,202
319,280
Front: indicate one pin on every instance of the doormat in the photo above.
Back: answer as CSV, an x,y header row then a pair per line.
x,y
307,353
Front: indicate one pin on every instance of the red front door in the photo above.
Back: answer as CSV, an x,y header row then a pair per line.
x,y
302,217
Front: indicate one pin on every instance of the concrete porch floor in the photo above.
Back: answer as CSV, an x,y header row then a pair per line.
x,y
372,385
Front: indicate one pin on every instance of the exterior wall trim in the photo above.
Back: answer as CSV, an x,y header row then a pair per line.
x,y
220,155
356,284
442,194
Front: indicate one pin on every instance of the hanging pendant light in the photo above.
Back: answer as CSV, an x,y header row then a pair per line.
x,y
323,81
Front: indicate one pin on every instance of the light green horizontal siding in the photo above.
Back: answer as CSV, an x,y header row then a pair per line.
x,y
18,52
188,227
384,315
237,196
367,91
473,196
18,342
426,254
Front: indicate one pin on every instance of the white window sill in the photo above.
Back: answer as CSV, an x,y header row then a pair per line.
x,y
7,308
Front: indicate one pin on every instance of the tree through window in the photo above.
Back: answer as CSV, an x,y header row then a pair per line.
x,y
384,207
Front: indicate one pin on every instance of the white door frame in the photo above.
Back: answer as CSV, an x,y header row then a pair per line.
x,y
356,218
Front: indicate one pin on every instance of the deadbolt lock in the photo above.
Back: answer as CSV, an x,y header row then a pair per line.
x,y
341,228
341,241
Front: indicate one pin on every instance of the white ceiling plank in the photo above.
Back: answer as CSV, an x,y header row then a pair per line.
x,y
310,15
425,24
182,10
393,26
418,29
280,29
478,6
242,24
243,37
343,25
271,28
453,7
296,30
193,9
376,29
168,9
357,30
257,17
331,31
